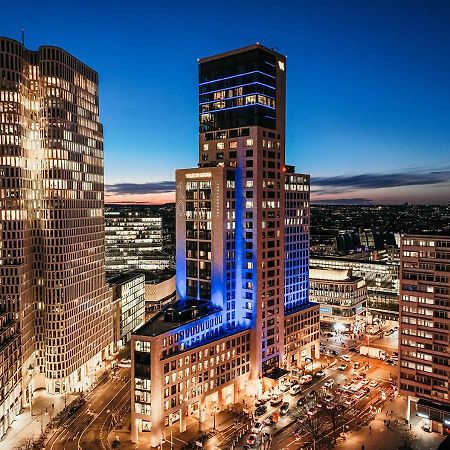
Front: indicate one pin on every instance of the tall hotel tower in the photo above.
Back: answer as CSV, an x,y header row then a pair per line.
x,y
52,268
243,316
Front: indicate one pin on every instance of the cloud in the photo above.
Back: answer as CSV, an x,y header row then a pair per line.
x,y
155,187
343,201
382,180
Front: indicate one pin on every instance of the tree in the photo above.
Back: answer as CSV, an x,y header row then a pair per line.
x,y
335,418
26,443
408,438
313,425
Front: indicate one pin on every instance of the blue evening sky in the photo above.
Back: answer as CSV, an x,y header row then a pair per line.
x,y
368,85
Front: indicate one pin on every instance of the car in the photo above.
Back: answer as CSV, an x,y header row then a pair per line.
x,y
329,383
260,410
356,365
331,405
276,400
301,402
320,374
256,427
124,363
284,388
342,367
295,390
269,421
334,352
426,426
345,358
312,412
364,381
353,349
305,379
373,383
258,403
396,328
284,408
329,334
320,405
360,394
392,362
305,446
251,440
328,399
349,401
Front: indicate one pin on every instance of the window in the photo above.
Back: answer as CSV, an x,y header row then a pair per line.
x,y
249,142
233,144
220,146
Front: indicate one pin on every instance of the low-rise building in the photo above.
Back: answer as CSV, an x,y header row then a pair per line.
x,y
10,371
128,305
381,277
342,298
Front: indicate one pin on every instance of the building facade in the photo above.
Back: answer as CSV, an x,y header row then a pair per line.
x,y
52,273
10,371
382,281
342,298
128,305
424,327
134,241
225,336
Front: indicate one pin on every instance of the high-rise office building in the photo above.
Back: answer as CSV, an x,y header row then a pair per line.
x,y
52,271
134,241
424,327
238,214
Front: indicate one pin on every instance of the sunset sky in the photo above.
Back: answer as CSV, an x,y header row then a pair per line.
x,y
368,106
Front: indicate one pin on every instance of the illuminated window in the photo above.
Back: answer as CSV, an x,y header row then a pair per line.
x,y
220,146
205,147
233,144
250,99
249,142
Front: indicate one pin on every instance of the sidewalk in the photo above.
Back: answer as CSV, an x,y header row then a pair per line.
x,y
225,423
392,437
27,426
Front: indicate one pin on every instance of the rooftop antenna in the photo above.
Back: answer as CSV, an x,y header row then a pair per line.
x,y
23,38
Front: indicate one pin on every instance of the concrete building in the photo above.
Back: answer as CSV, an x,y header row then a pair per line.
x,y
342,298
10,371
128,305
424,328
134,241
160,290
52,270
225,336
381,277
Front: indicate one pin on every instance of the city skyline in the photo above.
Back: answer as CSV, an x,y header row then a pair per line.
x,y
368,93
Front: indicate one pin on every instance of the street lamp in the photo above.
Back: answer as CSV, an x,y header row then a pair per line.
x,y
213,413
30,371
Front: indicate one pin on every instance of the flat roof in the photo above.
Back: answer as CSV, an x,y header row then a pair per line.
x,y
240,50
122,277
159,325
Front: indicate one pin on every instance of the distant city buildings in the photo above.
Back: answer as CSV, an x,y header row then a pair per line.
x,y
242,314
342,298
134,241
424,328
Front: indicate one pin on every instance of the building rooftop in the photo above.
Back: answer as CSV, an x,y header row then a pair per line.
x,y
175,315
151,276
241,50
350,259
122,278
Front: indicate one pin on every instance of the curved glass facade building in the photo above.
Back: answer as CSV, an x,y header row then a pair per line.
x,y
52,270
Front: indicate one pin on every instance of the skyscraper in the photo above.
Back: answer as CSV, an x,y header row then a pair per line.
x,y
424,327
225,336
52,271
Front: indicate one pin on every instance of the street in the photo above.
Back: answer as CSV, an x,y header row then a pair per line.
x,y
89,427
